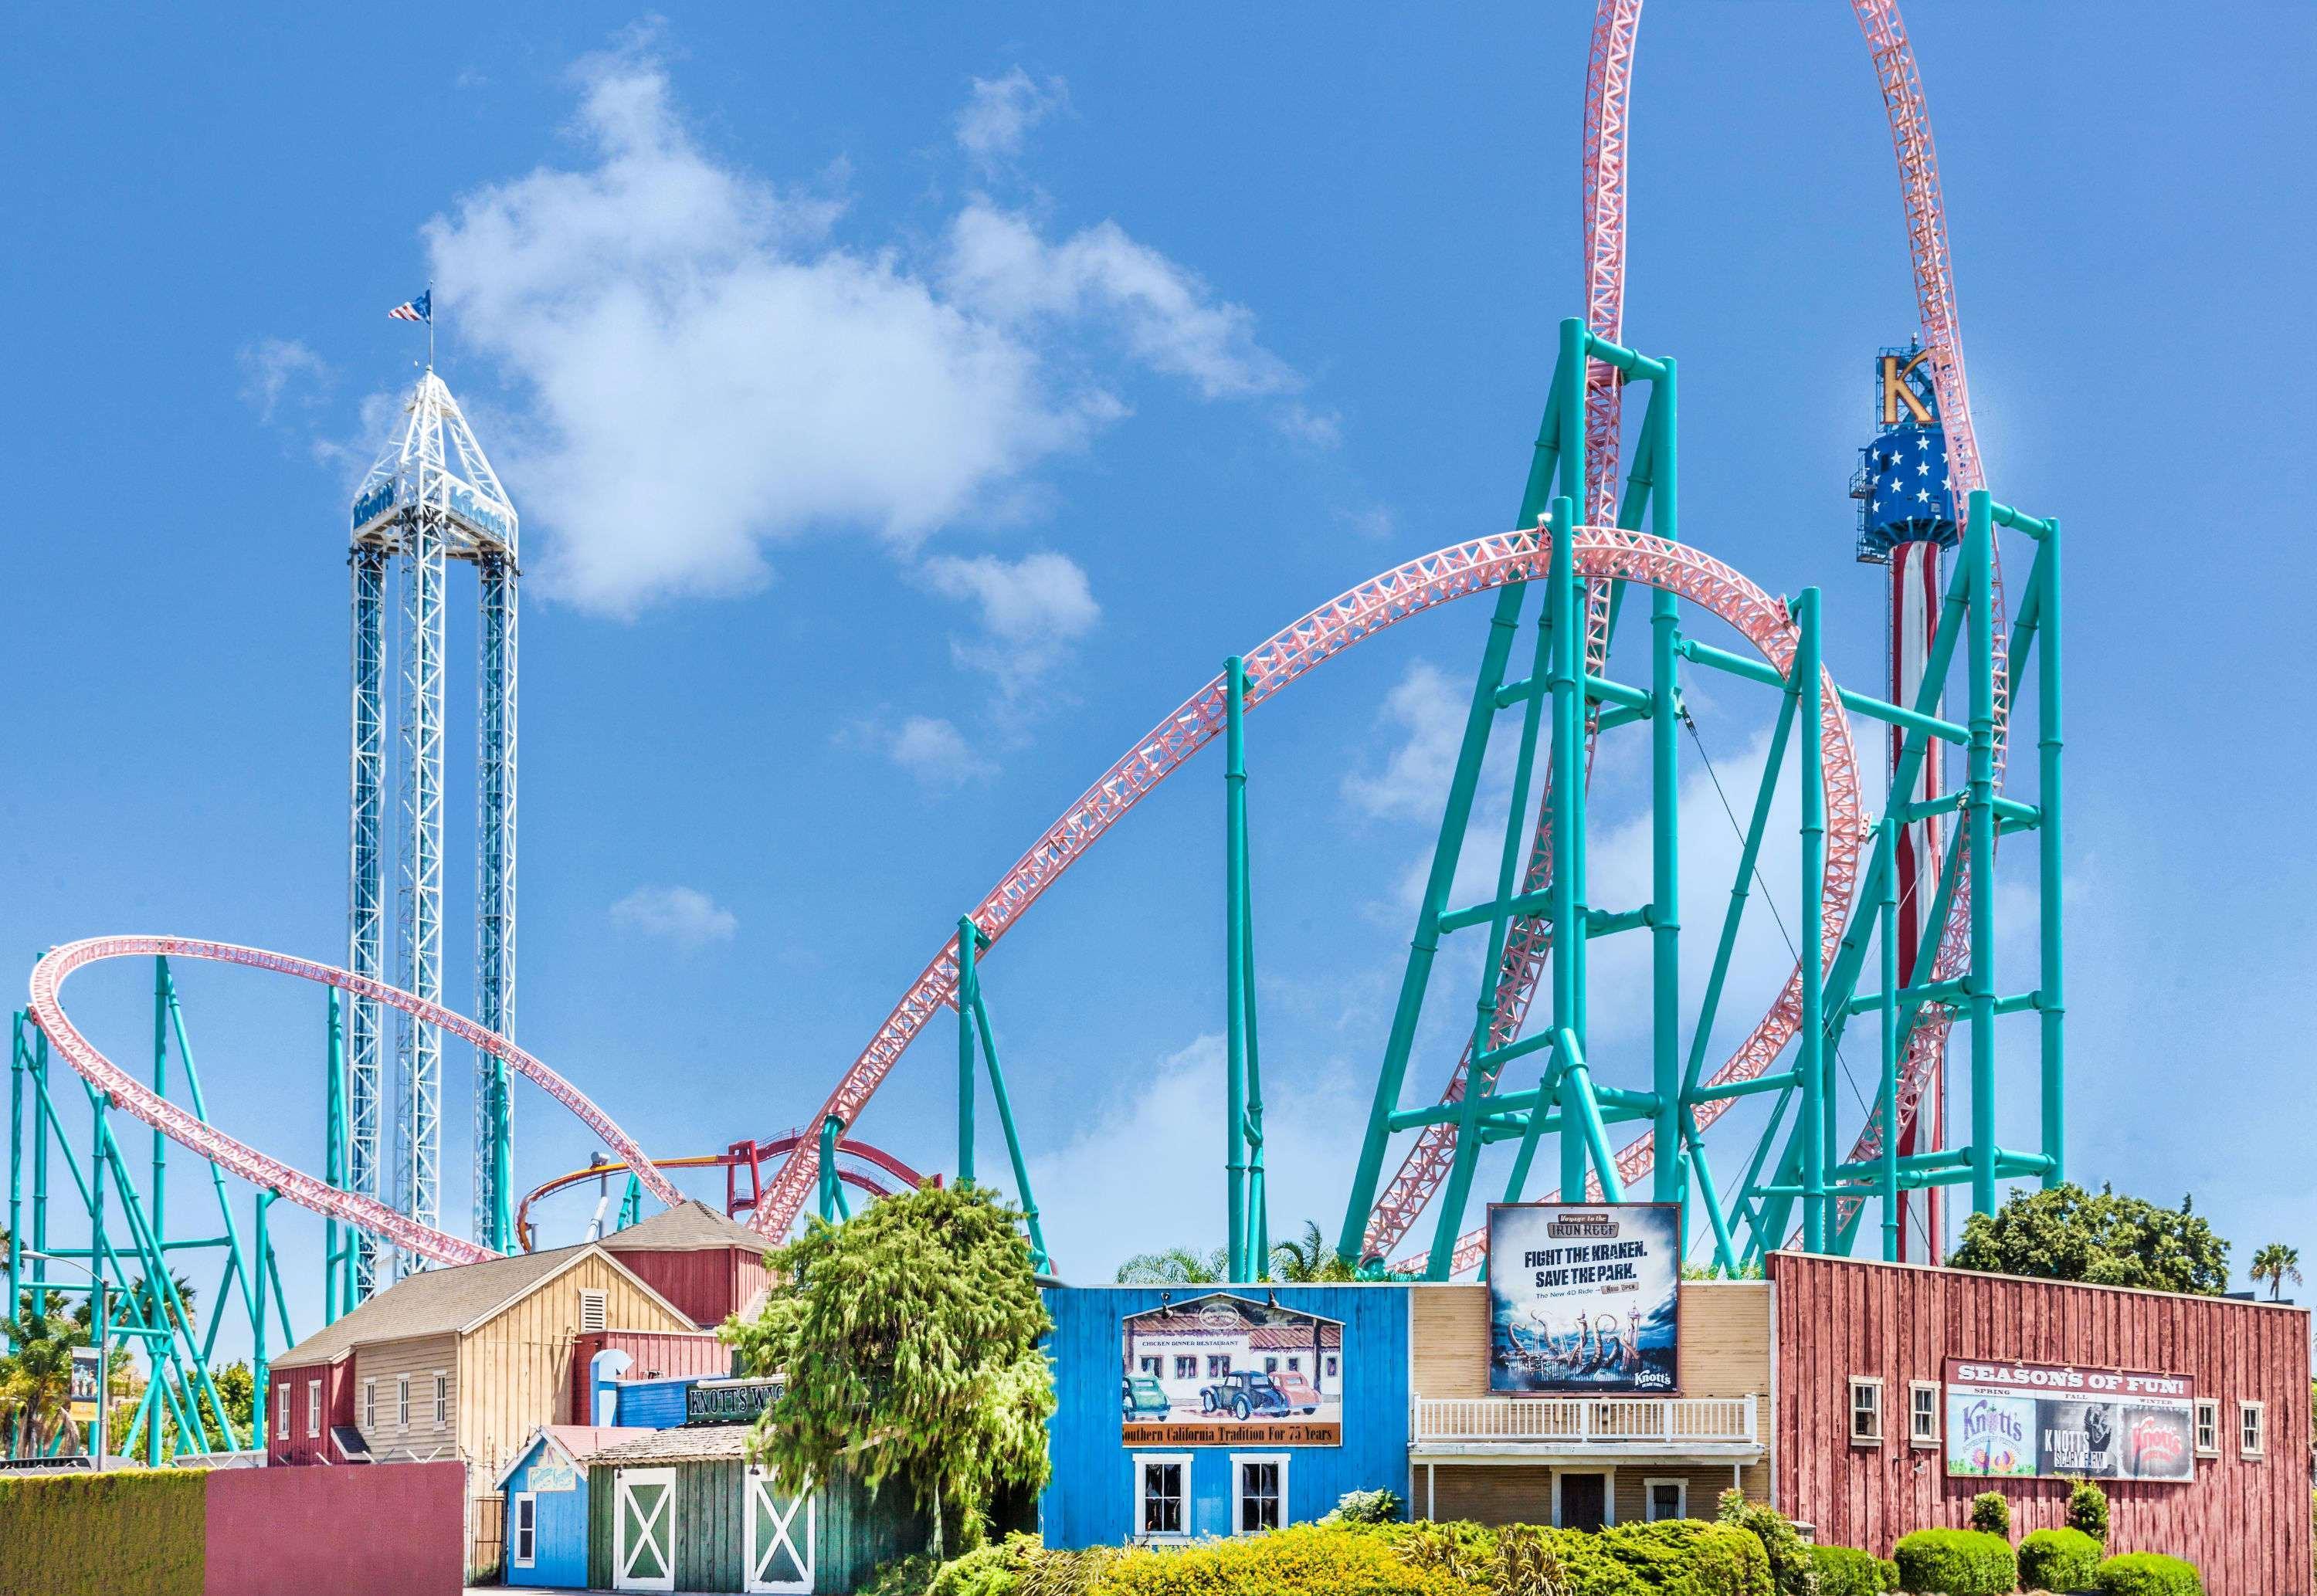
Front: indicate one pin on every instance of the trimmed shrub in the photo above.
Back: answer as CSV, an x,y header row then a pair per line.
x,y
1792,1571
2149,1574
2087,1509
1844,1572
1990,1514
902,1576
2058,1560
1890,1567
1291,1562
102,1534
1365,1507
1687,1557
1957,1562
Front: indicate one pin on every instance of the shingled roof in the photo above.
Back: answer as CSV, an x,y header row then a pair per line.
x,y
439,1301
699,1443
690,1227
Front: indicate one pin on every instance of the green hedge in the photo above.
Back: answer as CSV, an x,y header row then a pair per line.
x,y
1304,1558
106,1534
2149,1574
2058,1560
1957,1562
1844,1572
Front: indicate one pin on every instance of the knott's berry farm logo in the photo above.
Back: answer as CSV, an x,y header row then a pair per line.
x,y
1582,1227
1221,1317
2156,1446
1993,1438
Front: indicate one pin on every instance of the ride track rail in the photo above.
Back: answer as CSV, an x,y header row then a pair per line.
x,y
1603,554
238,1157
1607,101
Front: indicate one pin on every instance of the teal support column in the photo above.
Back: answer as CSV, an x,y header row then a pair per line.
x,y
159,1211
16,1178
834,1209
261,1240
1235,1097
1665,820
2051,986
1979,549
40,1069
335,1254
1566,590
968,987
1817,1123
1887,1101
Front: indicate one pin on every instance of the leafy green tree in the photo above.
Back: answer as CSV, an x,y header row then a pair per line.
x,y
36,1376
2067,1233
2276,1263
908,1340
1176,1266
1309,1260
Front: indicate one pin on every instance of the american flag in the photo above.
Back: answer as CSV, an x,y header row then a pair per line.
x,y
421,308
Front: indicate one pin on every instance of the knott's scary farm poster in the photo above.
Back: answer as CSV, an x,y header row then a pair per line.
x,y
2029,1421
1584,1298
1226,1370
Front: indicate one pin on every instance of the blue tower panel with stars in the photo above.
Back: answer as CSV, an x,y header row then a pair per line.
x,y
1906,493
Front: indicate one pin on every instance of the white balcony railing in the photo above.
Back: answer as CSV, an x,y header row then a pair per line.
x,y
1599,1421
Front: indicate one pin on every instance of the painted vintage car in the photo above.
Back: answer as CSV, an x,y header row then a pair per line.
x,y
1142,1397
1247,1393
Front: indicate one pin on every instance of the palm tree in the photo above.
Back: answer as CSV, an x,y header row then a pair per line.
x,y
1176,1266
35,1378
152,1304
1309,1260
2276,1263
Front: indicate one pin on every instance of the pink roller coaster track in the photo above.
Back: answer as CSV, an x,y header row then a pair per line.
x,y
1369,608
239,1157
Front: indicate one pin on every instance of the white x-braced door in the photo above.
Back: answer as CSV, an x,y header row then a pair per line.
x,y
643,1530
779,1549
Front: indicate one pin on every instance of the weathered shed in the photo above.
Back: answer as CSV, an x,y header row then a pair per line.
x,y
684,1510
546,1492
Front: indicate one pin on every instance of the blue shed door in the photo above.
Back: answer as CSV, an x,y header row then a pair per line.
x,y
780,1536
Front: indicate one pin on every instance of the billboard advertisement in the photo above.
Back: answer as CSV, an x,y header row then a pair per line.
x,y
1584,1298
2043,1421
1227,1370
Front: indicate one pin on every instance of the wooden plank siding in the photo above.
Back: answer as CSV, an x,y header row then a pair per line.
x,y
711,1284
652,1353
2244,1522
1725,1351
421,1358
289,1388
852,1531
516,1365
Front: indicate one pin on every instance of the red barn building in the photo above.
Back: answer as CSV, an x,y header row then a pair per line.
x,y
1864,1356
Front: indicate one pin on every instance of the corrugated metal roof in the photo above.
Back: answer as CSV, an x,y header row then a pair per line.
x,y
705,1443
691,1226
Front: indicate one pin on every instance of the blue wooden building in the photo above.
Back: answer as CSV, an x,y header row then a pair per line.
x,y
546,1490
1203,1410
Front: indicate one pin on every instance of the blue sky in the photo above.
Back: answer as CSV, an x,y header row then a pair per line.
x,y
908,409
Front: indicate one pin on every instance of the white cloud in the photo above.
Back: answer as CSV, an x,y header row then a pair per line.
x,y
1000,266
1003,109
701,372
1031,610
681,914
934,752
1377,520
273,369
1130,1191
1429,711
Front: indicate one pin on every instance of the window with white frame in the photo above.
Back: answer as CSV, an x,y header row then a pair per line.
x,y
1162,1484
2208,1429
370,1405
442,1397
523,1534
281,1412
1664,1498
402,1401
1259,1487
591,1310
1923,1412
1865,1410
313,1409
2249,1435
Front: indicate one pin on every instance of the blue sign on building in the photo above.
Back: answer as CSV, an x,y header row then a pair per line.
x,y
1202,1411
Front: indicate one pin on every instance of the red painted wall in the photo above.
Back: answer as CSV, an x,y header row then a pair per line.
x,y
654,1352
337,1408
373,1529
707,1286
2244,1522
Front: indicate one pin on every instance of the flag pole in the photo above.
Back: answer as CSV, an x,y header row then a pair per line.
x,y
430,324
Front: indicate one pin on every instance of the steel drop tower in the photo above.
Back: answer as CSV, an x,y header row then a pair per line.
x,y
431,498
1907,521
